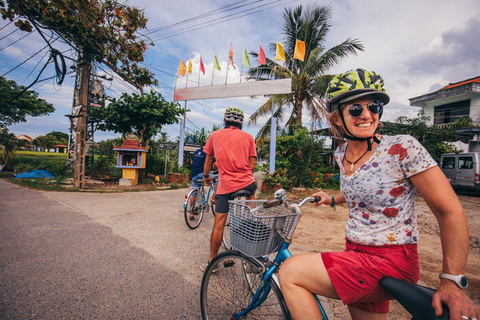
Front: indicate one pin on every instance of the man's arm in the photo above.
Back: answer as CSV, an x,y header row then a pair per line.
x,y
207,166
252,163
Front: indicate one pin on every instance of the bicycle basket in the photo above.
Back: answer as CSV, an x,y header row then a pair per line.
x,y
261,231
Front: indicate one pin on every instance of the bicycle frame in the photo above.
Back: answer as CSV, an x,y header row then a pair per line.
x,y
283,254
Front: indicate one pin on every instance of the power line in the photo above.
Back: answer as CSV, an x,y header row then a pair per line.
x,y
11,44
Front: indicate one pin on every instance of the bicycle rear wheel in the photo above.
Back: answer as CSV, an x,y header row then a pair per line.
x,y
230,289
194,208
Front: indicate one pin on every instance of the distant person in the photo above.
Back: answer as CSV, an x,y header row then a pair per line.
x,y
235,152
380,177
198,163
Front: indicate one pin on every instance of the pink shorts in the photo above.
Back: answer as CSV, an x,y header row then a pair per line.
x,y
357,271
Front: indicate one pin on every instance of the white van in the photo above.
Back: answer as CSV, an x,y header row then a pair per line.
x,y
462,169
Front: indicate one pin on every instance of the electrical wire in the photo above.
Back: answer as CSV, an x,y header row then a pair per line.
x,y
11,44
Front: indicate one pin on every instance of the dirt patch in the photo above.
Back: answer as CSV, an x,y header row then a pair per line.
x,y
322,229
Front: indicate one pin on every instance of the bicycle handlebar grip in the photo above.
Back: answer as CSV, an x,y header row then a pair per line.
x,y
272,203
316,199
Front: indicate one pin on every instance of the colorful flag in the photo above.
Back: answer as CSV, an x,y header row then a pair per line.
x,y
230,55
246,59
299,50
280,54
216,64
182,68
202,67
261,56
190,66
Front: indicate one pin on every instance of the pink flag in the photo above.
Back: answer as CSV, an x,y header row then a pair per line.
x,y
261,56
202,67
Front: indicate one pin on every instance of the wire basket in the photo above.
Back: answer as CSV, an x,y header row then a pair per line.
x,y
258,232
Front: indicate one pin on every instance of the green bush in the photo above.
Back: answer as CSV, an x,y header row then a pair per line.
x,y
300,161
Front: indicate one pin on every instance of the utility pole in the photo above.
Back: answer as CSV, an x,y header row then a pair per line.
x,y
81,128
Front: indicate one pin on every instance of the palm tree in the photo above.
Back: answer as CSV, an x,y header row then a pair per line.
x,y
309,78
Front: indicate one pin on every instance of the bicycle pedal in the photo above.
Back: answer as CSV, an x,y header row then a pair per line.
x,y
228,263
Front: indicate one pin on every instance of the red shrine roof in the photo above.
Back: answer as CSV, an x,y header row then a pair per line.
x,y
130,144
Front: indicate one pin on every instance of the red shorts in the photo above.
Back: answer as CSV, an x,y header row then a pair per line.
x,y
357,271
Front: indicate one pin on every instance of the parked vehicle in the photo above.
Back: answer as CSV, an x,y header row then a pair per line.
x,y
462,169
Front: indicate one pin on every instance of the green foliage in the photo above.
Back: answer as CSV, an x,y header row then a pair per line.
x,y
104,30
299,162
435,140
142,115
8,141
51,139
105,158
15,109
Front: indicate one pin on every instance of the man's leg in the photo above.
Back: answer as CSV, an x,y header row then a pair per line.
x,y
217,234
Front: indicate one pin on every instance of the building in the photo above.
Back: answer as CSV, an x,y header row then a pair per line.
x,y
455,101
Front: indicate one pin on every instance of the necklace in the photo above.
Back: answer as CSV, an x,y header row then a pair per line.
x,y
354,162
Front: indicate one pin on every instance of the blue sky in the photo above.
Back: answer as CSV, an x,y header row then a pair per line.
x,y
417,46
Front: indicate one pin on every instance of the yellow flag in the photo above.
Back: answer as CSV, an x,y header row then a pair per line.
x,y
280,54
182,68
299,50
189,66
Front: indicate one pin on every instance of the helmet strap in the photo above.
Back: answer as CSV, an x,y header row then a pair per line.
x,y
350,136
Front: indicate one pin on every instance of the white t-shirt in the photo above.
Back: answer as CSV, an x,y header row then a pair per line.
x,y
380,197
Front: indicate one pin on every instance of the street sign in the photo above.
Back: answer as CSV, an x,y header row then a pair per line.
x,y
190,139
190,147
167,146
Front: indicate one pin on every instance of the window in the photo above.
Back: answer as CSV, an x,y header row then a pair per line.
x,y
448,163
465,163
448,113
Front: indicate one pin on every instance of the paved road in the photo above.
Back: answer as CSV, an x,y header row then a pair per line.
x,y
98,255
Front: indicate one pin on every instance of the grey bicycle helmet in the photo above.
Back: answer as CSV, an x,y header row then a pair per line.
x,y
234,114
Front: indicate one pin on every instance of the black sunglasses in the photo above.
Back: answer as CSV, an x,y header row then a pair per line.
x,y
374,106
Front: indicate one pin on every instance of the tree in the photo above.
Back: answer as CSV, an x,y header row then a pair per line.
x,y
14,110
51,139
435,140
309,78
102,30
8,141
142,115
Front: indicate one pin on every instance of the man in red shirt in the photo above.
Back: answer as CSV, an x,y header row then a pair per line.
x,y
235,153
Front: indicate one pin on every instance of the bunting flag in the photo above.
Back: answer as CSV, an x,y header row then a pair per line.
x,y
299,50
182,68
202,67
261,56
246,59
230,55
190,65
216,64
280,54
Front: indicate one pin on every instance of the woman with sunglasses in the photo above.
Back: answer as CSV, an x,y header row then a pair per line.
x,y
380,176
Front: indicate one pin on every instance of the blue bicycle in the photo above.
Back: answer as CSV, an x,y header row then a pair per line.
x,y
243,283
197,201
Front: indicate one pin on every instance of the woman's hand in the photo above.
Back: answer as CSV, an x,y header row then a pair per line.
x,y
324,198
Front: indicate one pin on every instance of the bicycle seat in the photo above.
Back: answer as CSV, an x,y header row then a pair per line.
x,y
416,299
199,182
241,193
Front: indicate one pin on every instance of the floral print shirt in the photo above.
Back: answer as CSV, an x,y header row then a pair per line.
x,y
380,197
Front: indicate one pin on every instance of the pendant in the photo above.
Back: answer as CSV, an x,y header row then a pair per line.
x,y
351,167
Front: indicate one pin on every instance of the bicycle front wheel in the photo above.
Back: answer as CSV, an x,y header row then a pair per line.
x,y
194,209
226,236
230,289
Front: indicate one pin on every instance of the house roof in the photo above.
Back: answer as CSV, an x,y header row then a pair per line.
x,y
452,90
25,137
461,83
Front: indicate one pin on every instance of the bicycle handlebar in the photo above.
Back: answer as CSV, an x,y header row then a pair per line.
x,y
276,202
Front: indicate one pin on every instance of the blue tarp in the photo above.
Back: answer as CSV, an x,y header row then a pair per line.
x,y
34,174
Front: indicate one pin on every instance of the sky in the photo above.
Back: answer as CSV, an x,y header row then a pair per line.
x,y
416,46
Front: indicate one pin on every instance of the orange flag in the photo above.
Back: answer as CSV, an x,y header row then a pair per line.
x,y
182,68
230,55
299,50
